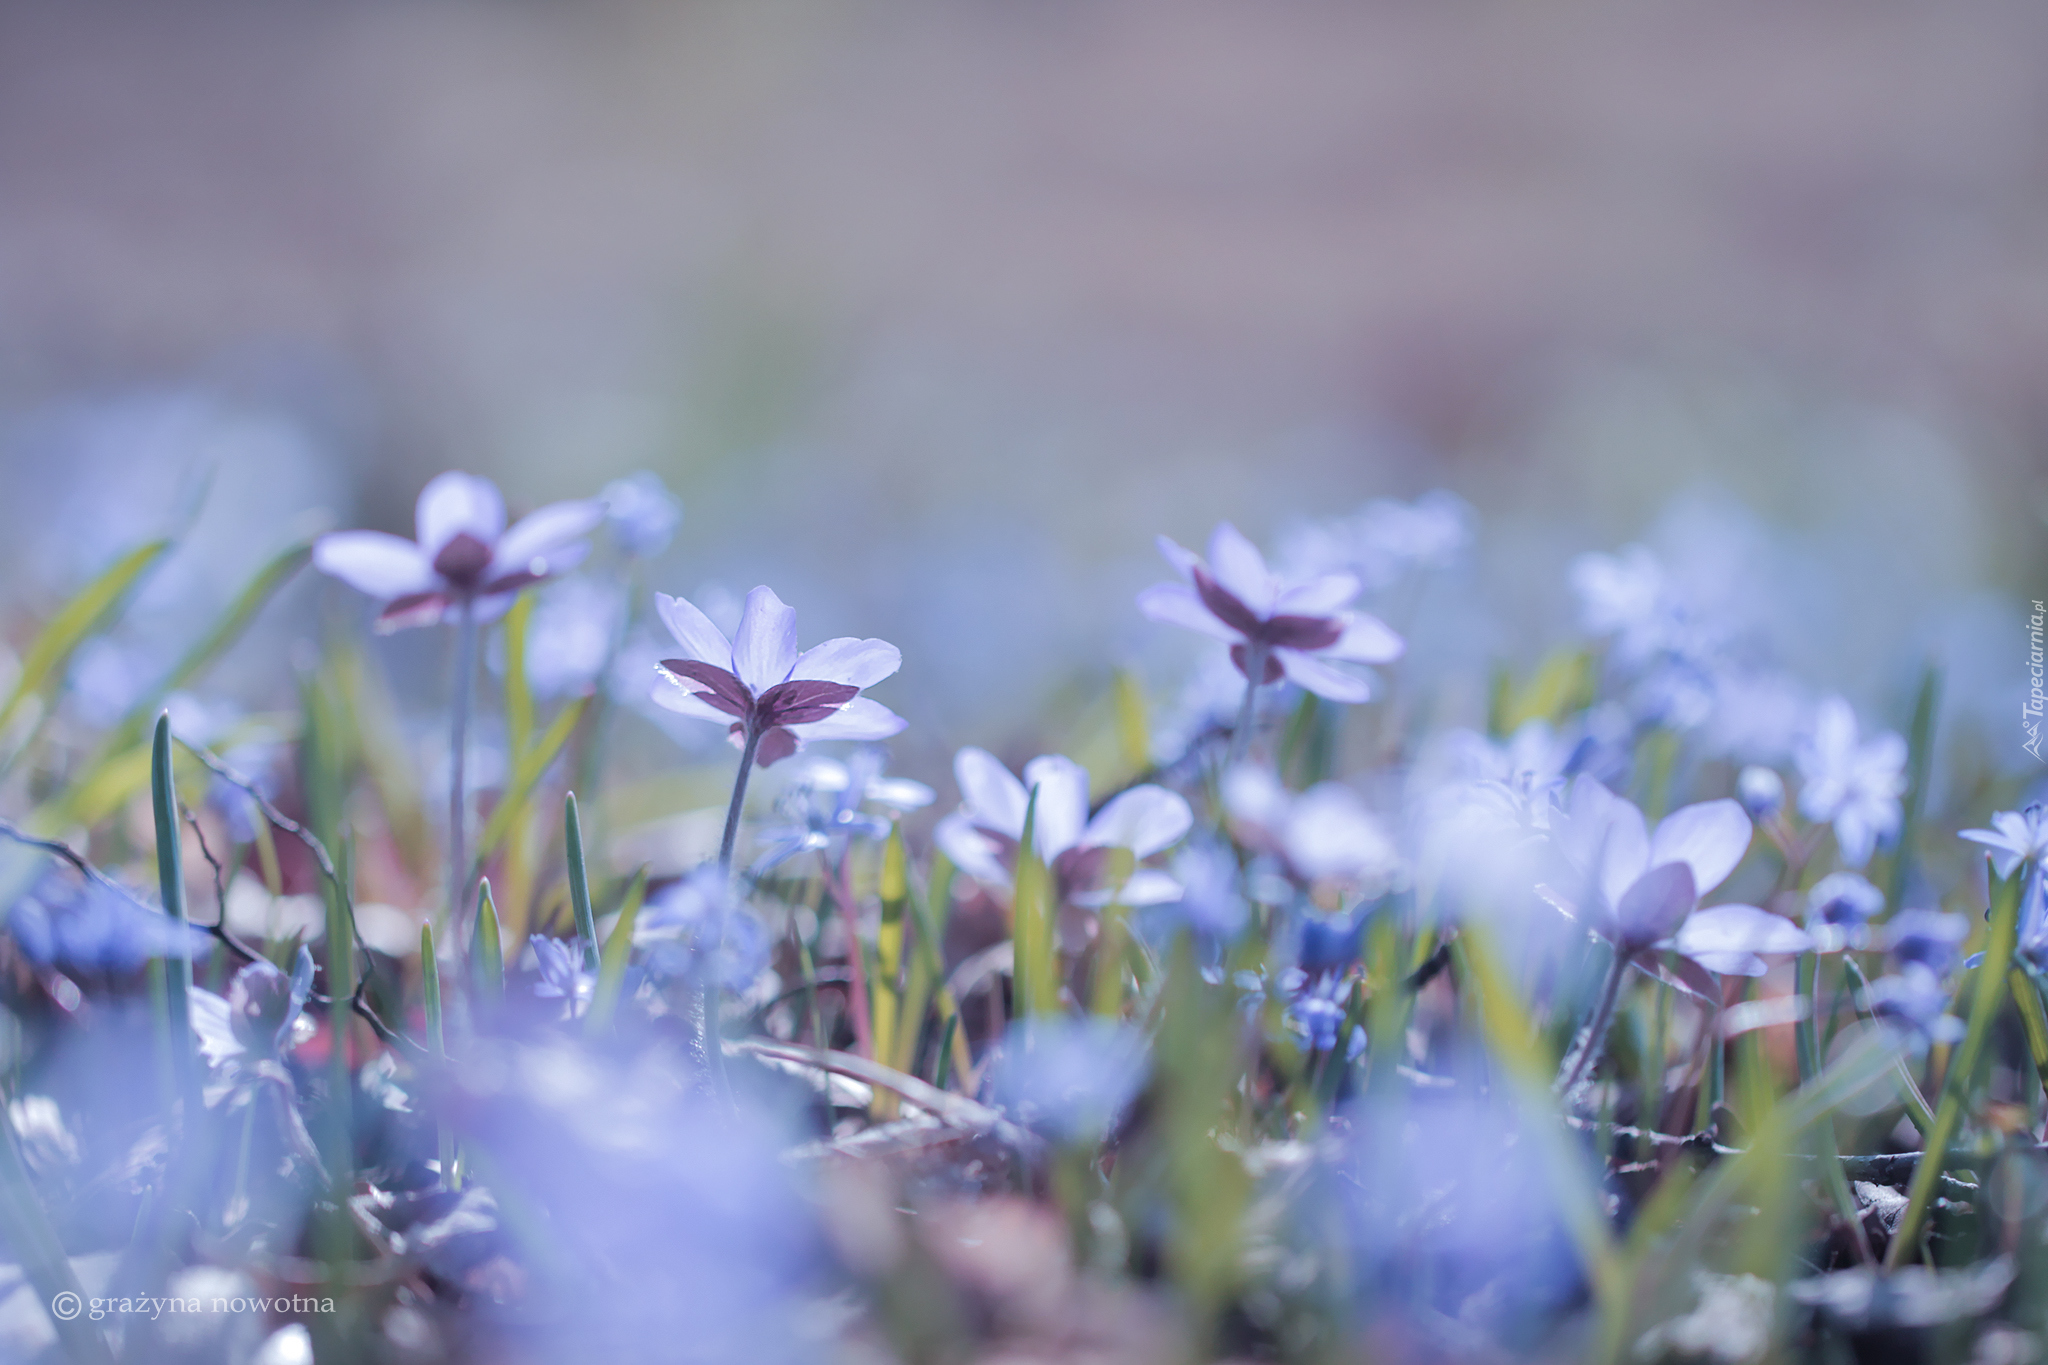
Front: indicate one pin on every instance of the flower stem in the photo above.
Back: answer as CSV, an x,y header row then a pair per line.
x,y
458,752
1596,1028
1254,674
706,991
739,799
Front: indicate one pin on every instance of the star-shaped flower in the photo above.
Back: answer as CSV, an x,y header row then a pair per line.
x,y
463,554
1642,887
1854,784
982,837
1325,834
2014,837
759,684
1295,627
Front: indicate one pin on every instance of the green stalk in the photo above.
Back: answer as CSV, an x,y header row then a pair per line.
x,y
176,1019
1035,970
617,954
34,1240
1948,1119
579,883
437,1043
487,954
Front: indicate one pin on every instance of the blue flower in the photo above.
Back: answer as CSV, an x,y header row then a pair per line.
x,y
1913,1002
693,928
259,1013
563,973
1855,784
1927,938
823,811
1839,909
641,513
2015,836
1761,791
96,927
1070,1078
464,553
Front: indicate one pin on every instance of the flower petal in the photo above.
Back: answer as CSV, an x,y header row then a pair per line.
x,y
764,647
384,566
1709,837
1182,558
971,850
670,696
1739,929
989,792
1624,846
1654,905
1732,964
1149,886
1323,595
1177,604
861,718
857,663
1144,820
1367,640
455,502
1237,564
1325,680
694,631
1062,803
535,542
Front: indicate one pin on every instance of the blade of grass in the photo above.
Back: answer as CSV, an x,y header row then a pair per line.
x,y
176,1021
1948,1118
617,954
1036,969
579,882
77,620
526,774
437,1045
487,954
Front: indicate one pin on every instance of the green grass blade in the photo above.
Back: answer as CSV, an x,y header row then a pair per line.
x,y
77,620
526,774
1036,965
1948,1118
518,695
579,882
487,953
617,954
885,994
170,871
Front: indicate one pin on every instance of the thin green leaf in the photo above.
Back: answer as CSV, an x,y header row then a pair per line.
x,y
618,953
170,871
579,882
80,618
525,775
1962,1067
487,954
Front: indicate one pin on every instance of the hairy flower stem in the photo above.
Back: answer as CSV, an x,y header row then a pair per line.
x,y
1596,1028
1254,674
458,752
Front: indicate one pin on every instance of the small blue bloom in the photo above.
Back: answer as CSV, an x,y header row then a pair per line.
x,y
1070,1077
1839,909
1913,1002
96,927
2014,837
563,974
1853,783
1927,938
1761,791
641,512
693,928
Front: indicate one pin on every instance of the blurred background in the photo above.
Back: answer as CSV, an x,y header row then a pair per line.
x,y
933,314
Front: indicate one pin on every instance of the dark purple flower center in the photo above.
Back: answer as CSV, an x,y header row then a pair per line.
x,y
462,561
795,702
1274,632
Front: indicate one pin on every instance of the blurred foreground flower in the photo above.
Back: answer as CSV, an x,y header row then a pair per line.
x,y
1070,1078
773,697
982,837
463,555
